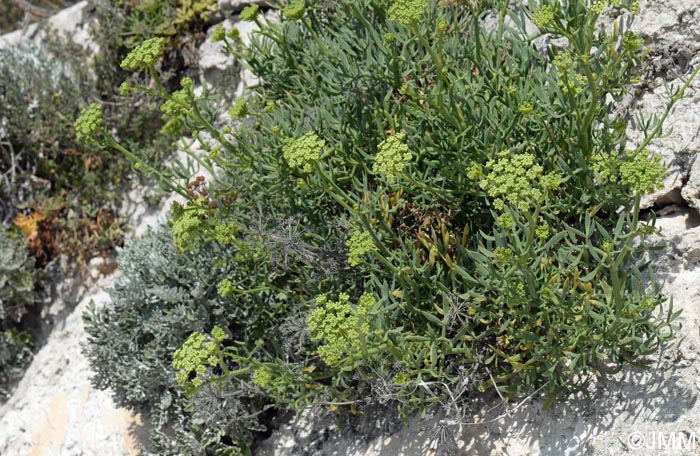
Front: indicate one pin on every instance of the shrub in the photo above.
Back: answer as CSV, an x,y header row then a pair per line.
x,y
45,171
18,278
132,22
162,297
496,186
18,294
15,356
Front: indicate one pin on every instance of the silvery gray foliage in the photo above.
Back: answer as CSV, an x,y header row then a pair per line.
x,y
15,356
17,277
159,301
17,293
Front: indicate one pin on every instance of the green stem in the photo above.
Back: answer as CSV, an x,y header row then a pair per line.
x,y
165,181
672,102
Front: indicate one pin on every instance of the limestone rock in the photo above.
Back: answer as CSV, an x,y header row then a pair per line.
x,y
55,411
234,6
70,21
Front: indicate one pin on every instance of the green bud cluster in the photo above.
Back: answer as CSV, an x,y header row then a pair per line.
x,y
543,16
302,153
573,83
145,55
226,288
225,233
359,244
239,109
219,33
89,122
635,8
249,13
294,10
598,6
631,41
642,173
502,256
188,223
407,12
175,110
392,157
340,325
195,356
517,180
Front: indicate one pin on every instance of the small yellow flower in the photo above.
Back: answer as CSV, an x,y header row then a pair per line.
x,y
392,157
145,55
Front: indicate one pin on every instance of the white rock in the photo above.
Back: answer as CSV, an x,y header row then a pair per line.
x,y
231,6
680,147
70,22
55,411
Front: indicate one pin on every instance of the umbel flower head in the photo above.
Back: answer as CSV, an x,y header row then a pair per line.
x,y
294,10
249,13
145,55
340,325
359,244
392,157
239,109
302,153
196,354
407,12
643,173
517,180
89,122
543,16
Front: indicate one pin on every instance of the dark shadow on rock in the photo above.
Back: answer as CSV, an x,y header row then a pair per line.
x,y
140,432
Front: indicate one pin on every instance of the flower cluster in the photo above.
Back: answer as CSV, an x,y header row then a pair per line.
x,y
511,179
188,223
340,325
145,55
239,109
225,233
226,288
125,88
573,83
502,256
642,173
635,7
543,16
564,61
407,12
89,122
249,13
302,153
175,110
294,10
606,165
392,157
219,33
196,354
631,41
598,6
359,244
263,378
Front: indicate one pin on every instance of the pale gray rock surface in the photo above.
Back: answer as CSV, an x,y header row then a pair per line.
x,y
70,22
235,6
55,411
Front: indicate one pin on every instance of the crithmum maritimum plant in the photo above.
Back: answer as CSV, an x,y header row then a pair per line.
x,y
470,214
